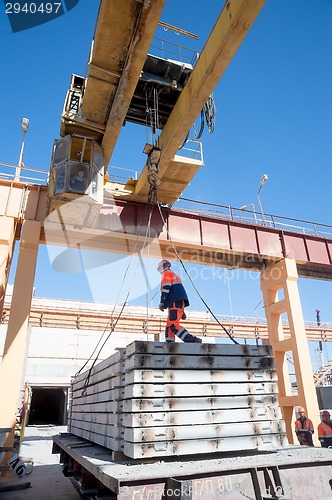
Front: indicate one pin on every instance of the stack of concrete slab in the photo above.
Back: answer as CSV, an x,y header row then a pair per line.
x,y
154,399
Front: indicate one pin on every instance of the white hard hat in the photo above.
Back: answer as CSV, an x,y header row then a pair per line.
x,y
163,264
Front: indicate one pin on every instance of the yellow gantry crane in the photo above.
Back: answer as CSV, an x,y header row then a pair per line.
x,y
97,106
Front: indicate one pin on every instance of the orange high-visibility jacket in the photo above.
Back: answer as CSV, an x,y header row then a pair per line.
x,y
172,289
324,430
304,425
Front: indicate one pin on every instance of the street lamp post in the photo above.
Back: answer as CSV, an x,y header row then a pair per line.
x,y
263,181
24,126
245,207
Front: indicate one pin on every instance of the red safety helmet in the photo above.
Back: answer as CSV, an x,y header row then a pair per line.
x,y
163,264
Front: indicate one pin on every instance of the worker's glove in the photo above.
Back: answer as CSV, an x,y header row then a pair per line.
x,y
184,316
162,306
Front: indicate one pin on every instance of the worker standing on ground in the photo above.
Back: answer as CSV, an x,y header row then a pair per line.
x,y
304,428
325,430
175,299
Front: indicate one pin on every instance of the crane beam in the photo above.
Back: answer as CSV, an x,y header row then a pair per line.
x,y
230,29
145,28
123,35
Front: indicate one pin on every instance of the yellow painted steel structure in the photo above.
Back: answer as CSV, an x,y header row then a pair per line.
x,y
15,349
115,65
116,62
228,33
123,35
281,295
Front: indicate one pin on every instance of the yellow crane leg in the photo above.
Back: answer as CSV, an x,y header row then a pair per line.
x,y
12,368
7,241
281,295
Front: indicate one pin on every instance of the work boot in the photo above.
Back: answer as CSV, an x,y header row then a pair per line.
x,y
192,339
185,336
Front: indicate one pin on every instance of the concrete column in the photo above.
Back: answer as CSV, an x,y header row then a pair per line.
x,y
7,241
281,278
12,368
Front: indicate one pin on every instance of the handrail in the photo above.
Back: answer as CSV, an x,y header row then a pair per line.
x,y
173,51
255,218
83,307
203,208
43,179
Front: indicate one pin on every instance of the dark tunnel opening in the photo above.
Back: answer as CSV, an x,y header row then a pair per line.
x,y
47,406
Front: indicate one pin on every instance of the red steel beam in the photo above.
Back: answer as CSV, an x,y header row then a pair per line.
x,y
217,241
198,238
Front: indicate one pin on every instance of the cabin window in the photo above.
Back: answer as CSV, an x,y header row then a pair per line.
x,y
98,156
61,148
60,178
78,177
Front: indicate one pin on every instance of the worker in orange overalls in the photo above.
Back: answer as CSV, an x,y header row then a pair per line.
x,y
304,428
325,430
175,299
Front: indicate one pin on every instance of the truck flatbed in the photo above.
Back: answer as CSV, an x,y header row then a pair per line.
x,y
291,472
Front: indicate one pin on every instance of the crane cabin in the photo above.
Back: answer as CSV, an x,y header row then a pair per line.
x,y
77,174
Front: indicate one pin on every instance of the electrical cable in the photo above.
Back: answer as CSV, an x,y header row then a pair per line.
x,y
195,288
210,112
184,141
199,135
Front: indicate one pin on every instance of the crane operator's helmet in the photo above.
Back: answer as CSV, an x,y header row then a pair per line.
x,y
163,264
300,409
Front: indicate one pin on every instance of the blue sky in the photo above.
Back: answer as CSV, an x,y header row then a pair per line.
x,y
274,112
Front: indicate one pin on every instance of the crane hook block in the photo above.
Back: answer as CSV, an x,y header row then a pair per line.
x,y
152,165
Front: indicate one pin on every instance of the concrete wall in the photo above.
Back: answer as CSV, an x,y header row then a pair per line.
x,y
55,355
